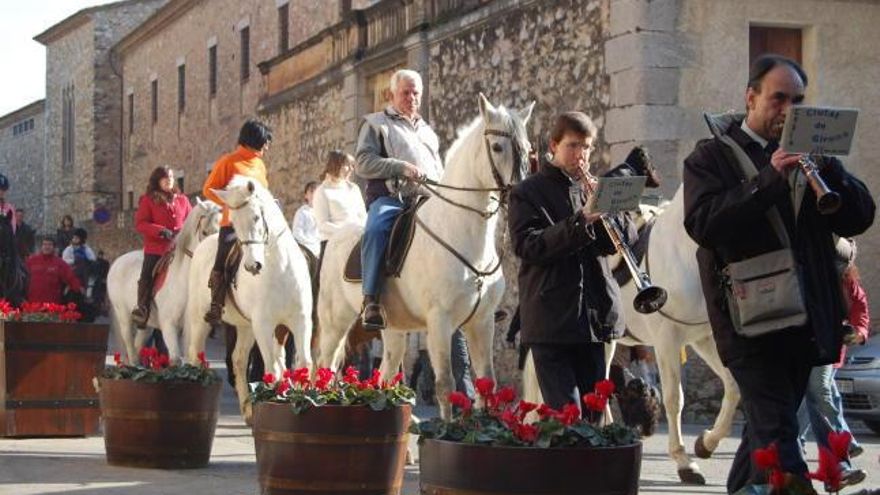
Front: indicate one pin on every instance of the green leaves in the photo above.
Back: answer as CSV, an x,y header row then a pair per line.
x,y
179,373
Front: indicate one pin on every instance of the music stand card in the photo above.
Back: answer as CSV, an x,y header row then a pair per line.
x,y
616,194
819,130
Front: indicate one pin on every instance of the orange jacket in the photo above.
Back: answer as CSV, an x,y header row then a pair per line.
x,y
242,161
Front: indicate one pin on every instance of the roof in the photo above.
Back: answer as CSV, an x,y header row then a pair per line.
x,y
155,23
25,111
76,20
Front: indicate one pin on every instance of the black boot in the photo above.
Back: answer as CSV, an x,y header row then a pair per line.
x,y
373,317
141,314
217,284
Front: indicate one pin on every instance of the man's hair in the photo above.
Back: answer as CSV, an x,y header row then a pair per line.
x,y
254,134
81,233
573,122
765,63
405,75
48,238
310,186
19,210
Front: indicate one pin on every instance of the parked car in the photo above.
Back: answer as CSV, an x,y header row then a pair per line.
x,y
859,383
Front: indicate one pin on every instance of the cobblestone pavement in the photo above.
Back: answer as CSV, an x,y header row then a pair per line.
x,y
78,466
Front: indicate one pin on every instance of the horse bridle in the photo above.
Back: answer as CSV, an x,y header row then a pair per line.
x,y
267,237
503,188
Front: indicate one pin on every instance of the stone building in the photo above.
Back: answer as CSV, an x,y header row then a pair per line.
x,y
83,112
21,154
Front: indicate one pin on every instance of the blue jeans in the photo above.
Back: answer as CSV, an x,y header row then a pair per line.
x,y
822,402
380,219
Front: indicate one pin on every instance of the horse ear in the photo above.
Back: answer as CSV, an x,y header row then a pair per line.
x,y
485,107
250,186
526,113
199,201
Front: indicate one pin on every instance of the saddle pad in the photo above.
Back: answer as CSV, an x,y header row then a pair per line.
x,y
399,242
160,271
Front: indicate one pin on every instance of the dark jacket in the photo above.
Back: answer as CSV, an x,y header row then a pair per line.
x,y
25,240
566,291
726,215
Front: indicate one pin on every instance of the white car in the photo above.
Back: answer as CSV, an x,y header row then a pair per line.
x,y
859,383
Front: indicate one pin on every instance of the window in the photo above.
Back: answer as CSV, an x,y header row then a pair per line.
x,y
154,99
23,127
245,54
783,41
283,29
212,70
131,113
181,87
67,125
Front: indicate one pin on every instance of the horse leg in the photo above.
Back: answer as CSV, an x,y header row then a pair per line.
x,y
393,350
124,329
439,343
668,360
708,441
243,344
301,328
269,344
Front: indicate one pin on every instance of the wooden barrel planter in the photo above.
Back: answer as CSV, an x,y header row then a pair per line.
x,y
330,449
159,425
46,372
452,468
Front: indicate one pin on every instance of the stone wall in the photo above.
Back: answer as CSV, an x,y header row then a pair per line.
x,y
21,160
550,52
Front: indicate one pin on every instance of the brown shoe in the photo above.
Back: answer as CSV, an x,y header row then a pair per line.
x,y
217,284
373,316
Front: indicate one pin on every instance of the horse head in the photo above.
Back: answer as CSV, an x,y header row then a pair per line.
x,y
246,206
207,217
506,144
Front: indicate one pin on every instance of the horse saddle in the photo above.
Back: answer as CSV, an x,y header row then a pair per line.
x,y
399,242
160,271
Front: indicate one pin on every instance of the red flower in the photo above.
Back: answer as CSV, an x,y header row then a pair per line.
x,y
325,376
485,386
838,442
570,414
595,402
282,386
373,381
526,433
509,419
776,479
545,411
351,376
397,379
301,376
605,388
460,400
524,408
117,358
506,395
268,378
767,458
202,359
829,470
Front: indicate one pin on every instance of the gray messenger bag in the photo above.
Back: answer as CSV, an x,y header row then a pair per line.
x,y
763,292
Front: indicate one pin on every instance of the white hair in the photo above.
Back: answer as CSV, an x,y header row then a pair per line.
x,y
405,75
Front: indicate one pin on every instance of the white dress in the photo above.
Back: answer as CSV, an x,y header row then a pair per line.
x,y
336,205
305,228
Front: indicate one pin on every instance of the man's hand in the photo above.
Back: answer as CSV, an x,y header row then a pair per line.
x,y
410,171
166,234
784,162
590,217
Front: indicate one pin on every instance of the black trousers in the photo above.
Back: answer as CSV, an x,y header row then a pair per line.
x,y
772,385
568,371
147,267
225,240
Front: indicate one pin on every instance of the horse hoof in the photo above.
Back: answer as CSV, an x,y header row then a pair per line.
x,y
690,476
700,449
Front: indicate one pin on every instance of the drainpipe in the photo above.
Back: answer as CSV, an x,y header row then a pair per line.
x,y
118,72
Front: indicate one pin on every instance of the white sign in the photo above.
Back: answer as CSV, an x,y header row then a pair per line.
x,y
616,194
819,130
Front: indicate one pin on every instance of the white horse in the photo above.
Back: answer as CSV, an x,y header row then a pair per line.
x,y
671,262
170,300
272,286
437,291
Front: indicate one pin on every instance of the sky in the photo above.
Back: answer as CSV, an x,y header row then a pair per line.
x,y
23,59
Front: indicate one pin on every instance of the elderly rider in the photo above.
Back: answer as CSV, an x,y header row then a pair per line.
x,y
395,146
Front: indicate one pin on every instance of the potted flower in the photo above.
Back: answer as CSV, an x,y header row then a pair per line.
x,y
37,341
331,434
494,449
159,415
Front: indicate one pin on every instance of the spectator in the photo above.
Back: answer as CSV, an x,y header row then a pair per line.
x,y
304,225
25,236
80,256
49,274
6,207
64,234
338,201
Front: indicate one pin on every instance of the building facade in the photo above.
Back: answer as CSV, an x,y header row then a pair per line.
x,y
21,159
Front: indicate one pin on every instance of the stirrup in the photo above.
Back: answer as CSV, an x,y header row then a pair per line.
x,y
376,320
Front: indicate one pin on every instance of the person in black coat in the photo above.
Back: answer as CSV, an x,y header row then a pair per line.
x,y
569,302
726,214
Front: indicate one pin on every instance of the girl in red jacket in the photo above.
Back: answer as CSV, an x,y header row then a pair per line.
x,y
160,216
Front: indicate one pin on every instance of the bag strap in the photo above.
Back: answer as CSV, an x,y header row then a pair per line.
x,y
750,171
